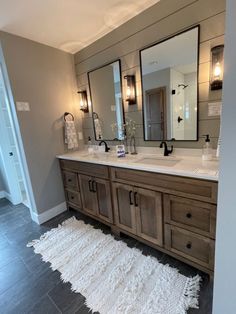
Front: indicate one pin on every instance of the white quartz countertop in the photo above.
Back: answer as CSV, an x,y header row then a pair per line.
x,y
186,166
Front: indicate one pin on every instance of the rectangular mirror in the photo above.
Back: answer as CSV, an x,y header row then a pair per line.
x,y
169,72
106,101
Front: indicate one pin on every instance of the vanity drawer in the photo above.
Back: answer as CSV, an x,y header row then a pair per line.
x,y
70,179
190,214
190,245
85,168
73,197
186,187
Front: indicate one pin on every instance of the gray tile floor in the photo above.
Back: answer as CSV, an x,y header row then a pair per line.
x,y
28,285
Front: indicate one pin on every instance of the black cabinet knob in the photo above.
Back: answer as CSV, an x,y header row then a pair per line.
x,y
189,245
189,215
72,197
69,180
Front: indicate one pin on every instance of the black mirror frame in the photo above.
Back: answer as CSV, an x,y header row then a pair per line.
x,y
140,62
90,93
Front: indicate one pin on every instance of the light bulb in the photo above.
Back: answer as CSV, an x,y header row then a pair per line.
x,y
128,92
217,70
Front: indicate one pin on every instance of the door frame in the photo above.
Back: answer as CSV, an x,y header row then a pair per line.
x,y
18,138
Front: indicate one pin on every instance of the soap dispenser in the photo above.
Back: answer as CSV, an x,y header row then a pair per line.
x,y
207,149
90,146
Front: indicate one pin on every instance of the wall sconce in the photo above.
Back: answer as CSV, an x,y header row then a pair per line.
x,y
83,101
130,89
217,67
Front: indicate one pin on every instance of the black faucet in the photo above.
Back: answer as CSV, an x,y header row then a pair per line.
x,y
106,147
166,150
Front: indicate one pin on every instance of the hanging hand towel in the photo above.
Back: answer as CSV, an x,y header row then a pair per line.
x,y
71,135
98,128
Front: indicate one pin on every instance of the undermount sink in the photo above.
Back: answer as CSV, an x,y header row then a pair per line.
x,y
158,161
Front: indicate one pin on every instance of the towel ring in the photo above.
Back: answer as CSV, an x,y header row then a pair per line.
x,y
68,113
95,115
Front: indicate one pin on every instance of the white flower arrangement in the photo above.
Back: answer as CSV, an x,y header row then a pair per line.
x,y
127,129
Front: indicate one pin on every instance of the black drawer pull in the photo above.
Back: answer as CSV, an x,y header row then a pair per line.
x,y
130,198
69,180
94,186
189,245
90,186
72,197
189,215
135,199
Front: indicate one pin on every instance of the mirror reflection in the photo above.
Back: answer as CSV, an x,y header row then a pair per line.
x,y
106,98
169,86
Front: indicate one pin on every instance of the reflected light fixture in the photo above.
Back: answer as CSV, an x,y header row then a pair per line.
x,y
130,89
217,67
83,101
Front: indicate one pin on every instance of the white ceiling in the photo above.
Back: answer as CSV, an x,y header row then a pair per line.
x,y
68,25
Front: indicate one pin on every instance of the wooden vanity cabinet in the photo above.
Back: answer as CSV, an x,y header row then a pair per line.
x,y
94,193
96,197
138,211
176,215
124,210
89,197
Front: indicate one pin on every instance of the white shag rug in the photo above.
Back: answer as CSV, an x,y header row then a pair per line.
x,y
113,277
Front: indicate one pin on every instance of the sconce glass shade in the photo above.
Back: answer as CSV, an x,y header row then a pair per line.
x,y
217,67
83,101
130,89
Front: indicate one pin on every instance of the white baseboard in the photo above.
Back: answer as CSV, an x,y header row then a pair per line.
x,y
49,214
4,194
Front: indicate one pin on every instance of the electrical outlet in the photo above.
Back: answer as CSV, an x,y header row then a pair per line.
x,y
214,109
19,106
22,106
26,106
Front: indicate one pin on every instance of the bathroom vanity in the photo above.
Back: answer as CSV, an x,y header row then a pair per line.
x,y
169,204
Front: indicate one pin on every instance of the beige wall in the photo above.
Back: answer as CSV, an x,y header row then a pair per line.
x,y
44,77
162,20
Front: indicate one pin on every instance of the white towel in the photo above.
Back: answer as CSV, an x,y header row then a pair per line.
x,y
71,135
98,128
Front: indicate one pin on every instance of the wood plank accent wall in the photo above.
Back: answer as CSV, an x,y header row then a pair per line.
x,y
162,20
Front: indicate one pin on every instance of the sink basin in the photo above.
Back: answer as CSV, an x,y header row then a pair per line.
x,y
158,161
98,155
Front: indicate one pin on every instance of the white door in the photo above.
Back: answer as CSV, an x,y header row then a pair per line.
x,y
11,164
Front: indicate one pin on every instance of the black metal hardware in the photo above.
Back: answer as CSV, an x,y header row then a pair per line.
x,y
106,146
90,185
94,185
189,215
69,180
179,119
11,154
72,197
135,199
173,92
166,150
130,198
189,245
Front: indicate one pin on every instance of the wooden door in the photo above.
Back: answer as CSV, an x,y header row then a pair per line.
x,y
88,195
155,114
103,190
123,198
148,206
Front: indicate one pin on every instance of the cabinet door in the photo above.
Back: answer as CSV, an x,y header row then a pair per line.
x,y
124,207
89,197
103,190
148,206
